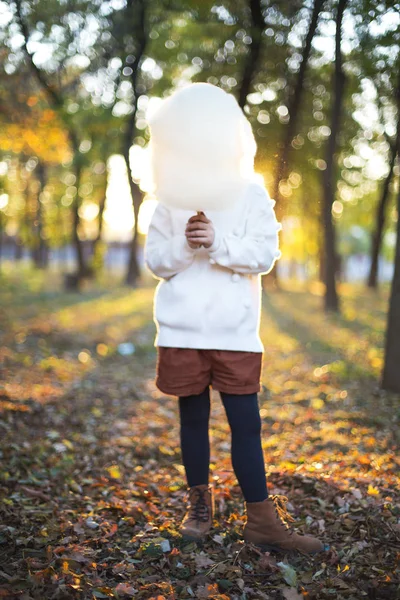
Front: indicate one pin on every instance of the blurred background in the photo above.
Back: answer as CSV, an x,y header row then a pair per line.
x,y
79,78
318,80
91,478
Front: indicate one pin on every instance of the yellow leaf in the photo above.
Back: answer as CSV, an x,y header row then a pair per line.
x,y
317,403
373,491
114,472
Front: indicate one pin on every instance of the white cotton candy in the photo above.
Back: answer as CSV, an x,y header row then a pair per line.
x,y
202,149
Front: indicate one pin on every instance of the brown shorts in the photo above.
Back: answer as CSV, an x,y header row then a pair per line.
x,y
187,372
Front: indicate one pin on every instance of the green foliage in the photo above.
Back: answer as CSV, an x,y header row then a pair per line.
x,y
93,51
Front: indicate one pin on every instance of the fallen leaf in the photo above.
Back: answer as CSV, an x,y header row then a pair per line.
x,y
291,594
202,560
288,573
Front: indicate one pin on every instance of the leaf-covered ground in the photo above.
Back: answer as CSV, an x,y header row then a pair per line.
x,y
91,486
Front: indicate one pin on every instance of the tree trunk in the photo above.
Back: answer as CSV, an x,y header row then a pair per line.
x,y
19,249
251,64
329,176
1,235
379,225
83,270
294,104
381,208
377,236
391,371
135,14
98,257
102,205
40,254
133,271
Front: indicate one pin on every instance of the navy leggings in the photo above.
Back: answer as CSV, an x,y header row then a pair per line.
x,y
245,423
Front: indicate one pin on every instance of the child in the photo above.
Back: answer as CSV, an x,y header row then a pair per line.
x,y
212,235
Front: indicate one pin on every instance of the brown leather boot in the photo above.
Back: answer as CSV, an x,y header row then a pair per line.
x,y
198,518
267,528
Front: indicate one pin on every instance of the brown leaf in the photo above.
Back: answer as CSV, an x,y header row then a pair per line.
x,y
35,493
202,561
125,589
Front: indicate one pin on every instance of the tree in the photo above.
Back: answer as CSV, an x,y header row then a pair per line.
x,y
253,57
56,97
134,21
381,207
329,179
118,56
294,105
386,92
391,371
31,133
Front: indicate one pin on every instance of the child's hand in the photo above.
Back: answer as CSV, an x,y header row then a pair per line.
x,y
199,231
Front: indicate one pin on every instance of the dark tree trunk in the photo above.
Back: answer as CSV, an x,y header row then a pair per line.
x,y
18,250
295,103
136,16
1,236
381,208
380,224
40,254
321,263
329,176
391,371
252,60
102,205
83,269
251,64
133,271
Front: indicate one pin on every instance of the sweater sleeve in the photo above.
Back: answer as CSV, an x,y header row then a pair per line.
x,y
166,254
258,249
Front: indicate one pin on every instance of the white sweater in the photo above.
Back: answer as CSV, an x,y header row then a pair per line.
x,y
211,298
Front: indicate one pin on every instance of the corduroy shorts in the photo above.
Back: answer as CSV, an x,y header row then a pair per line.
x,y
187,372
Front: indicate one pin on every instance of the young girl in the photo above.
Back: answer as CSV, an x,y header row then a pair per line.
x,y
212,235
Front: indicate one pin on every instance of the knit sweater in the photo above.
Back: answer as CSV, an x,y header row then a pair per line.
x,y
211,298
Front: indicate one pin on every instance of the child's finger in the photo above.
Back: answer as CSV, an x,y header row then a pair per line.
x,y
201,241
197,233
198,239
197,226
201,218
194,235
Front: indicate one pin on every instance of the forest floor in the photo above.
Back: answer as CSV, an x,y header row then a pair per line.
x,y
91,485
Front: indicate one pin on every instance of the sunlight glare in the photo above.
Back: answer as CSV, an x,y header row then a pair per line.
x,y
145,214
118,213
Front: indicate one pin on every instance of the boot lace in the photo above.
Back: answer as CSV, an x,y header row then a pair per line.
x,y
281,511
198,506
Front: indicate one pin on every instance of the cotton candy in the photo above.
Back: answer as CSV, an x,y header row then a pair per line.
x,y
202,149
